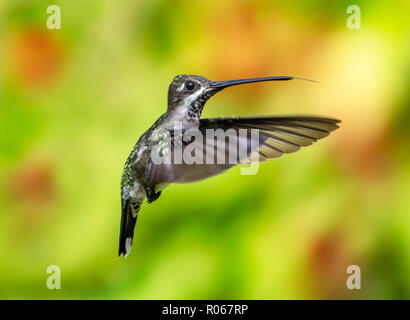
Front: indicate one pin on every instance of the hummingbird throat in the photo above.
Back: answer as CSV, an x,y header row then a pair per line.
x,y
195,104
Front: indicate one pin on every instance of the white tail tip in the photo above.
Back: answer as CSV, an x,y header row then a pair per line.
x,y
128,244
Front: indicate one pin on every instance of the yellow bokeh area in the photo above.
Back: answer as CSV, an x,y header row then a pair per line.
x,y
73,102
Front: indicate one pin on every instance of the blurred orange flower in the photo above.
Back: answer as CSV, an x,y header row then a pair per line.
x,y
35,57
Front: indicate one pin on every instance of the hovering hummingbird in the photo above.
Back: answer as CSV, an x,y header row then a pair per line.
x,y
187,94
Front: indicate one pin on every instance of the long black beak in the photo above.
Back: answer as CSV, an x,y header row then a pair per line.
x,y
219,85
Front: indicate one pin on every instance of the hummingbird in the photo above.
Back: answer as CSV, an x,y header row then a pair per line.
x,y
144,178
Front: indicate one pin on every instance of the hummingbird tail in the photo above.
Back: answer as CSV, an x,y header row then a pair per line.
x,y
128,219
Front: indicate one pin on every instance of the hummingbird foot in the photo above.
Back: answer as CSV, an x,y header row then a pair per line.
x,y
151,194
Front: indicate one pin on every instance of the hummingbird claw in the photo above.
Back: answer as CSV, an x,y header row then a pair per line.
x,y
151,194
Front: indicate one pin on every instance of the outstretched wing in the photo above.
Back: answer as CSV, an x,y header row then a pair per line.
x,y
277,135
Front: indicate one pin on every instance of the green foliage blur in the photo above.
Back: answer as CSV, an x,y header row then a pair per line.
x,y
74,101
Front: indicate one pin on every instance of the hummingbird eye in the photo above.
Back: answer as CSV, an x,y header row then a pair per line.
x,y
190,85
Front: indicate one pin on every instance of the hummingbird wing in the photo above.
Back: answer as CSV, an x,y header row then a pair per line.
x,y
277,135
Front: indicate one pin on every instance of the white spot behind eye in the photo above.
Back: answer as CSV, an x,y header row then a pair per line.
x,y
181,88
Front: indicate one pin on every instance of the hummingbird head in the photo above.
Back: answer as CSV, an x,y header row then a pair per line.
x,y
188,93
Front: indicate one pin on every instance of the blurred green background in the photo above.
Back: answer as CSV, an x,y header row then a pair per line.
x,y
74,101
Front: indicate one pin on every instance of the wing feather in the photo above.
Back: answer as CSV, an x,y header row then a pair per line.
x,y
277,136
